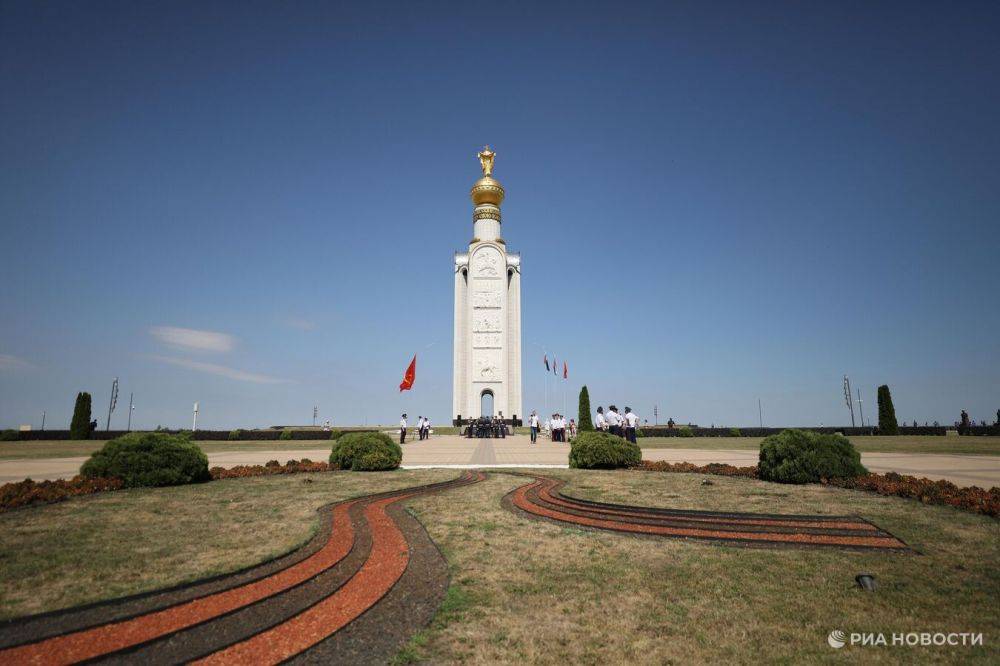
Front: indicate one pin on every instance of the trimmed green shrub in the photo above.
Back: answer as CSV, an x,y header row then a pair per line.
x,y
9,436
583,421
366,452
79,428
235,434
601,450
336,434
149,459
887,424
285,435
735,432
684,431
801,456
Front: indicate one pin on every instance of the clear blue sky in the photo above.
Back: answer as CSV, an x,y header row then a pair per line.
x,y
714,202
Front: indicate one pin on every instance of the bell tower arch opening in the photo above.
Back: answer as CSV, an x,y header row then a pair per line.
x,y
486,403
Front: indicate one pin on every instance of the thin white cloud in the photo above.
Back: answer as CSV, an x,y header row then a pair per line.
x,y
8,362
220,370
301,324
192,338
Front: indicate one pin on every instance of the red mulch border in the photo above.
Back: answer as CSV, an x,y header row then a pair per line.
x,y
28,493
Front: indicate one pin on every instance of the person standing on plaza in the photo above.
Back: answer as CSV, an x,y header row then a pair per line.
x,y
533,424
402,429
572,428
600,423
631,423
614,421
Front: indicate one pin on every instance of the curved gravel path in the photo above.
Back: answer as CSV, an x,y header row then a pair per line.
x,y
278,614
542,499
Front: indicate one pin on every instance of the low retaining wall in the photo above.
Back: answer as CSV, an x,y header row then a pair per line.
x,y
197,436
664,431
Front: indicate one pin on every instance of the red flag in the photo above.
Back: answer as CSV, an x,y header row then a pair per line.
x,y
565,371
409,376
546,359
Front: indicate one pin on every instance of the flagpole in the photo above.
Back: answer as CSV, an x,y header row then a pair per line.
x,y
546,386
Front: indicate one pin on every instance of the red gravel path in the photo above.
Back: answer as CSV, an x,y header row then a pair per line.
x,y
541,498
385,564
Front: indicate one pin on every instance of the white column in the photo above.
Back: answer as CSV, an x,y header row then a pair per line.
x,y
514,345
461,340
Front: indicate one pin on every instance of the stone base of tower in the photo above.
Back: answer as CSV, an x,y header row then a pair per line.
x,y
461,422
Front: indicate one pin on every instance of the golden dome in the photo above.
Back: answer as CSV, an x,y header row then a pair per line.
x,y
487,191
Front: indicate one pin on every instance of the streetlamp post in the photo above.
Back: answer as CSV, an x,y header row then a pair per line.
x,y
194,423
131,406
847,398
112,402
862,411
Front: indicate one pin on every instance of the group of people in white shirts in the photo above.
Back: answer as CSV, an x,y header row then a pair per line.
x,y
423,428
557,425
623,425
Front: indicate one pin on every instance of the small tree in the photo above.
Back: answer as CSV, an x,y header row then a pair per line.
x,y
79,428
887,424
583,421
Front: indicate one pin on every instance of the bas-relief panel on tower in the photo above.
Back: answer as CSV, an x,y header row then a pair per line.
x,y
486,340
487,299
488,263
486,322
486,366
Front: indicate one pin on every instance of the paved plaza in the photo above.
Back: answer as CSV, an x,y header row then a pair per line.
x,y
518,451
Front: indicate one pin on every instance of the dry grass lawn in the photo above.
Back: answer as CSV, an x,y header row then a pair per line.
x,y
115,544
529,591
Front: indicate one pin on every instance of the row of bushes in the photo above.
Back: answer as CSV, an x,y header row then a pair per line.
x,y
151,459
792,456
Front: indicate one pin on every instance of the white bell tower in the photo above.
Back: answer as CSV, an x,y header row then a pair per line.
x,y
487,378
